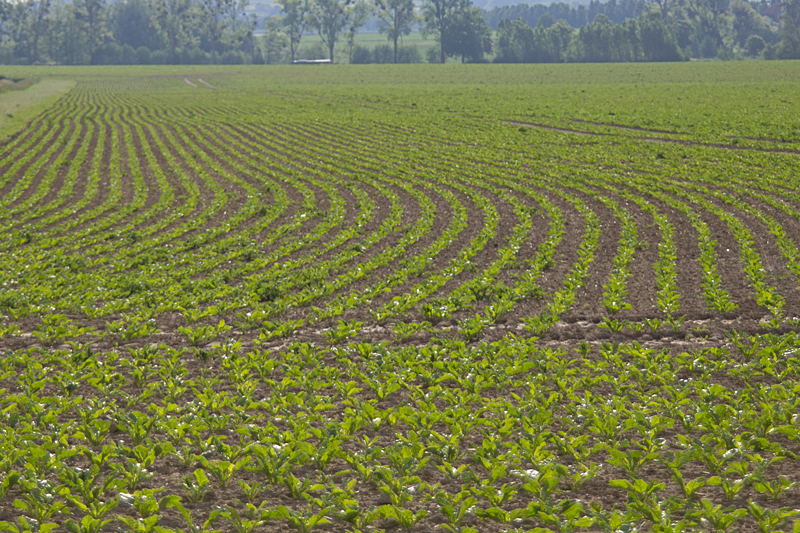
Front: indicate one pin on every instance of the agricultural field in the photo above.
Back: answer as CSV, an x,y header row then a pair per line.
x,y
458,298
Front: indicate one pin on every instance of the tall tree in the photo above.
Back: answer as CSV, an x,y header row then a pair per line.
x,y
515,42
274,41
438,16
359,15
789,47
239,28
65,40
215,15
39,22
130,22
469,36
330,17
397,17
665,8
294,22
92,13
746,22
15,31
174,21
658,42
249,30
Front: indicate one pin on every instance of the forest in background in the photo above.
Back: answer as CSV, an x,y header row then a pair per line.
x,y
99,32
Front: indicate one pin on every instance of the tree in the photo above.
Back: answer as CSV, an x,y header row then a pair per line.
x,y
130,23
174,21
438,18
754,45
39,22
747,22
294,22
249,31
92,13
792,8
359,15
238,32
215,13
15,32
515,42
330,17
554,42
274,40
468,36
658,42
397,17
665,8
65,40
789,46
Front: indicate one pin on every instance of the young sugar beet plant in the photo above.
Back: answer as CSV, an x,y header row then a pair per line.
x,y
563,299
667,297
485,285
715,296
766,295
614,292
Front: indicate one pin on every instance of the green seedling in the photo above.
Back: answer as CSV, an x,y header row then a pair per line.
x,y
202,334
471,328
653,323
715,518
303,521
191,527
8,482
770,520
354,515
299,489
775,488
147,504
614,325
252,492
688,488
631,461
223,471
242,524
196,485
405,331
57,328
497,497
564,516
539,325
27,525
343,331
141,525
676,322
132,327
41,500
639,490
455,508
279,330
405,517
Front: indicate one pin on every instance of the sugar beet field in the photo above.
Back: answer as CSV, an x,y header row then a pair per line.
x,y
459,298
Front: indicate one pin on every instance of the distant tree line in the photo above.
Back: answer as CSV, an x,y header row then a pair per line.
x,y
76,32
617,12
458,28
662,30
99,32
646,39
